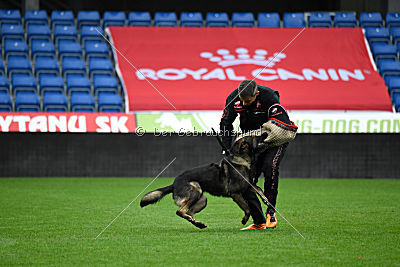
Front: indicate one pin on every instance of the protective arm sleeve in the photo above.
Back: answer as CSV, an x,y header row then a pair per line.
x,y
279,128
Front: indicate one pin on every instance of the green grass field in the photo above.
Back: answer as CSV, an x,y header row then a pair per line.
x,y
53,221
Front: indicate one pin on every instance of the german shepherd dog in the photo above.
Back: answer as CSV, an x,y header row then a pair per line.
x,y
231,177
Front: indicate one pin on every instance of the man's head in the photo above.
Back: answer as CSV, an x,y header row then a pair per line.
x,y
248,91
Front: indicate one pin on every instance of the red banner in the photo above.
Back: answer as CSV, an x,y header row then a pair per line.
x,y
196,68
67,122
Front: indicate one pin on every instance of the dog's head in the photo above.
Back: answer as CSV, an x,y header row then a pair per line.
x,y
248,147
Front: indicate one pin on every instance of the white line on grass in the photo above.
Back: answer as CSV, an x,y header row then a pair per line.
x,y
130,63
266,200
135,198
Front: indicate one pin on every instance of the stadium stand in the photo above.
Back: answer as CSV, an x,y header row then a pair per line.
x,y
217,19
240,19
62,17
27,101
139,19
114,18
371,19
4,84
320,19
38,31
66,53
345,19
294,20
166,19
392,19
36,17
12,31
2,68
5,101
82,102
269,20
51,83
10,16
191,19
88,18
55,101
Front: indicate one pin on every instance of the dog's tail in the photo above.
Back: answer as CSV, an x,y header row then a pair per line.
x,y
156,195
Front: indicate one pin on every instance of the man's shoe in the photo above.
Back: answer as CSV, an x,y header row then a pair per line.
x,y
272,221
254,227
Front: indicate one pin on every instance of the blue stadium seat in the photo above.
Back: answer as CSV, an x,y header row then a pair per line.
x,y
96,49
51,83
320,19
2,68
105,83
27,101
55,101
396,101
91,33
36,17
393,19
191,19
383,50
389,68
243,19
65,32
394,85
88,18
345,19
46,65
377,34
42,48
167,19
62,17
395,34
17,64
68,48
371,19
217,19
114,18
269,20
294,20
82,102
12,31
139,19
14,47
100,66
73,66
23,83
4,83
5,101
109,102
38,31
78,83
10,16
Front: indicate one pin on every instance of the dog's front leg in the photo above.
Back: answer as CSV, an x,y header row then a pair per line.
x,y
239,200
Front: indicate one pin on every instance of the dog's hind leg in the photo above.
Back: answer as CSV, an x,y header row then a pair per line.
x,y
198,206
182,212
192,203
238,198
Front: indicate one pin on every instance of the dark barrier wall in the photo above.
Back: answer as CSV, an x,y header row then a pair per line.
x,y
129,155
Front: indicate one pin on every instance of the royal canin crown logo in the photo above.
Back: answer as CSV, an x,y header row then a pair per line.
x,y
241,56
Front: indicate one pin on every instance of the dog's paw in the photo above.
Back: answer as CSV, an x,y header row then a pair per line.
x,y
200,225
